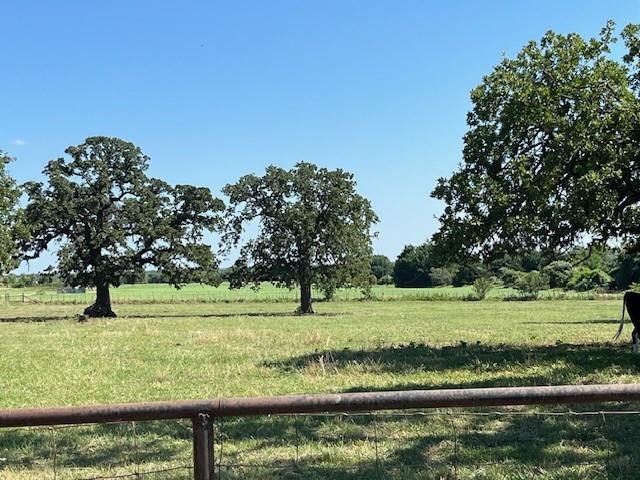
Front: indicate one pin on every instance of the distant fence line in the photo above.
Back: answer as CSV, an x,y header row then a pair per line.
x,y
208,440
285,296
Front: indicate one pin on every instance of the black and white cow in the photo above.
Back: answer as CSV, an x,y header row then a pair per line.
x,y
631,301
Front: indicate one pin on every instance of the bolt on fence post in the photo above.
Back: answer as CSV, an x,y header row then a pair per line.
x,y
203,467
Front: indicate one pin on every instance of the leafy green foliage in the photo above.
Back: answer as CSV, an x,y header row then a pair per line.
x,y
314,229
558,273
440,277
530,284
381,266
627,270
328,288
482,285
509,276
411,268
600,257
10,215
467,274
585,278
551,155
111,220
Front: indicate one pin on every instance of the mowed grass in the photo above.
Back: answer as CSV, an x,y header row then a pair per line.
x,y
183,351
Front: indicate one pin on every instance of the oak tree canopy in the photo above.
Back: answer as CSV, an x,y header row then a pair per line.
x,y
110,220
552,153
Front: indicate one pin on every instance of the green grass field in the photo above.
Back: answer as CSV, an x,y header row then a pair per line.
x,y
183,351
195,293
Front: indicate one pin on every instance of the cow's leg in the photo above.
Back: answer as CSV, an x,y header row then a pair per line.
x,y
634,340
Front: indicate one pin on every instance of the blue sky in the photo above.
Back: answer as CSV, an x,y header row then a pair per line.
x,y
213,90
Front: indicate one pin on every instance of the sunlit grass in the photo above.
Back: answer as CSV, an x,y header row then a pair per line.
x,y
267,293
182,351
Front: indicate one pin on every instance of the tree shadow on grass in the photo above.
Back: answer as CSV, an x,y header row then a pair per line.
x,y
582,322
102,445
504,365
232,315
52,318
440,444
452,444
36,319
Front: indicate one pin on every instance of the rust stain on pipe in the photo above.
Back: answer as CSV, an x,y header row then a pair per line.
x,y
341,402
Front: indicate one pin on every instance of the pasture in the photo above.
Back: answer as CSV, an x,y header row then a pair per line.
x,y
201,350
267,293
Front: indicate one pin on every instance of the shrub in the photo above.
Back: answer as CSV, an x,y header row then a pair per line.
x,y
559,273
386,280
530,284
509,276
467,274
328,289
482,285
585,278
440,277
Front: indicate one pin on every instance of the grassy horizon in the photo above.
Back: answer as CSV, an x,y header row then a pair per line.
x,y
268,293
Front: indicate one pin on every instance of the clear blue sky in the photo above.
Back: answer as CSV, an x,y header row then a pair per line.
x,y
213,90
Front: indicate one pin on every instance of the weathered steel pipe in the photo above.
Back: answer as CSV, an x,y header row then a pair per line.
x,y
341,402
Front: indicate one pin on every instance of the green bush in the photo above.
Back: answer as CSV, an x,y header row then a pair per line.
x,y
530,284
585,278
467,274
509,276
440,277
328,289
482,285
559,273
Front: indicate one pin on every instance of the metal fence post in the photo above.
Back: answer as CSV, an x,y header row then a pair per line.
x,y
203,466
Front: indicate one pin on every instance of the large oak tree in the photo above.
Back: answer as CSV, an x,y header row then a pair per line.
x,y
9,217
552,154
313,229
110,220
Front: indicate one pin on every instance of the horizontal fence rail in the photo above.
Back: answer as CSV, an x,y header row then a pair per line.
x,y
343,402
202,413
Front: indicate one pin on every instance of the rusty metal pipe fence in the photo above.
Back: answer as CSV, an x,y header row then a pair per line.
x,y
203,412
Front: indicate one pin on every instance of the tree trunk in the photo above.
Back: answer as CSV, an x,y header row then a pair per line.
x,y
102,306
305,298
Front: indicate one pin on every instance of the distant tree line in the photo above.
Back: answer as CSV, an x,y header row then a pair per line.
x,y
602,268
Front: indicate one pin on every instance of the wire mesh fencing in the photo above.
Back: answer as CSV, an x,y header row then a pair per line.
x,y
510,442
